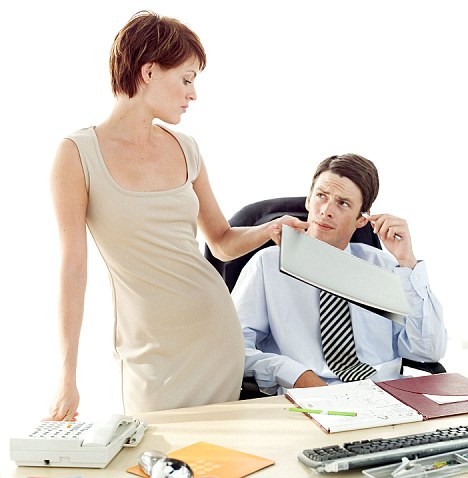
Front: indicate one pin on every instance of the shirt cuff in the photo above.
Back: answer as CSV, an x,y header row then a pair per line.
x,y
289,373
414,279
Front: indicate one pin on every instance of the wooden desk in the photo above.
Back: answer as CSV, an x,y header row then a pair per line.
x,y
262,427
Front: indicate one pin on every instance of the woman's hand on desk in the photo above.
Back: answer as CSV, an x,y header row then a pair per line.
x,y
294,222
309,379
65,405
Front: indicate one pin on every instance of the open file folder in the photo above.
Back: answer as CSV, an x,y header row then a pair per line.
x,y
329,268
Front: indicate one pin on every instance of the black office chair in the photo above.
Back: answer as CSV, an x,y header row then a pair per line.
x,y
263,211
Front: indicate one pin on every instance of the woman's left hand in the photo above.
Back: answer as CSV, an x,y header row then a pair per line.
x,y
276,226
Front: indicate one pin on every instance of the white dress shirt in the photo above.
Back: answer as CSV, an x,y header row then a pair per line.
x,y
281,325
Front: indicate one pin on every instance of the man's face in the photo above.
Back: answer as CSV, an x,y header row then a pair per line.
x,y
334,207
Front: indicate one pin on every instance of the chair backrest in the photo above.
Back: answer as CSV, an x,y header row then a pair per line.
x,y
263,211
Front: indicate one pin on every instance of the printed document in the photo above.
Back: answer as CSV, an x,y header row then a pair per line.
x,y
374,407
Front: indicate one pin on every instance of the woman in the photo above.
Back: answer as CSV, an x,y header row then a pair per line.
x,y
142,189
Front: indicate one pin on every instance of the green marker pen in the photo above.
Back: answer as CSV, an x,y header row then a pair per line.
x,y
323,412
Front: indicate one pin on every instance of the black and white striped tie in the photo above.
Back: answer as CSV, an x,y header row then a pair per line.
x,y
338,341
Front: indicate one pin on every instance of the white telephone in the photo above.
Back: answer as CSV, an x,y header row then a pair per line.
x,y
76,444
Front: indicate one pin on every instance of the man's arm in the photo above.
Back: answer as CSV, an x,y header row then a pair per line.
x,y
424,337
309,379
269,368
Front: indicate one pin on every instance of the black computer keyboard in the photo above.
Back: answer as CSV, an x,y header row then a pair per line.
x,y
381,451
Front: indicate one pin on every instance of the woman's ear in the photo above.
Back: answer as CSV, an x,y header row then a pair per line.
x,y
147,71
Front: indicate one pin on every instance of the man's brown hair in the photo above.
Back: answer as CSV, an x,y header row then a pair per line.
x,y
358,169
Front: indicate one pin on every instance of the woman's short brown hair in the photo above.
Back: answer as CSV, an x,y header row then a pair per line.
x,y
149,37
358,169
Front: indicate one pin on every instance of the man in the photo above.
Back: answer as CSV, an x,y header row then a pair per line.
x,y
297,336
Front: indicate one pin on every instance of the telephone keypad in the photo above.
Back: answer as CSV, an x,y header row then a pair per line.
x,y
60,430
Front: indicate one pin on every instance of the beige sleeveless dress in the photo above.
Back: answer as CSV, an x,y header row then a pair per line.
x,y
177,336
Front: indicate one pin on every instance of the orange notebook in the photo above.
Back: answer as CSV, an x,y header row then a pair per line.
x,y
206,459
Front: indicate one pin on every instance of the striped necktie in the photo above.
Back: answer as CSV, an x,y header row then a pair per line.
x,y
338,341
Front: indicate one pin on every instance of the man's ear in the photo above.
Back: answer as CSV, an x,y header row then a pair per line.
x,y
361,221
307,203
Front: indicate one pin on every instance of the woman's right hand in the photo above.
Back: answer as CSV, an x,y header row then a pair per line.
x,y
65,405
70,198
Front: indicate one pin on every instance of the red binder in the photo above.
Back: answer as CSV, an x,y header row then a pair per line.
x,y
410,391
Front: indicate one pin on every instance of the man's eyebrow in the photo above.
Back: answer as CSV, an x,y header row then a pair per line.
x,y
321,189
345,199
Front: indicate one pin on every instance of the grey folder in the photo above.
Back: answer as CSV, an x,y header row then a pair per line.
x,y
347,276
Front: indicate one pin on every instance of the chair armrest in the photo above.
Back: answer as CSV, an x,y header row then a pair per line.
x,y
250,389
430,367
250,384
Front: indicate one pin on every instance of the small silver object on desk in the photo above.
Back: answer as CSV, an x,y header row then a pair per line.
x,y
157,465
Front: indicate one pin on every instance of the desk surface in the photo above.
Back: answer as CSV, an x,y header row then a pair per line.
x,y
262,427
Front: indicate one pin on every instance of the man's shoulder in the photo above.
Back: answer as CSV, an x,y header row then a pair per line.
x,y
262,264
267,254
264,259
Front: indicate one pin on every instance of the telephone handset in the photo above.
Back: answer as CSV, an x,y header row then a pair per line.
x,y
76,444
101,433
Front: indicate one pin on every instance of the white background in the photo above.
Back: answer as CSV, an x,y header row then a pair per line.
x,y
287,84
